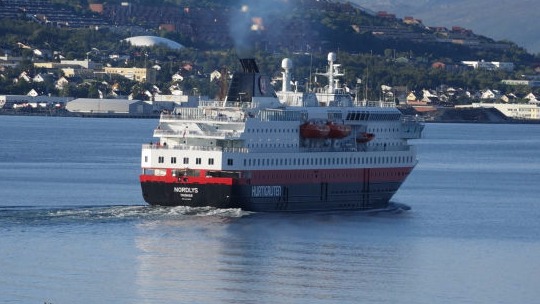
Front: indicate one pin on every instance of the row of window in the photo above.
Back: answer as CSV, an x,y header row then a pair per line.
x,y
327,161
272,130
372,116
198,160
301,161
383,130
309,174
296,145
296,130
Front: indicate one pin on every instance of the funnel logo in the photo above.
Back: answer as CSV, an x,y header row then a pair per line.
x,y
263,85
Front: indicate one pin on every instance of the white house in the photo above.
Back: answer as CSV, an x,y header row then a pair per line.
x,y
61,83
24,76
530,97
177,77
490,95
32,93
508,98
428,94
38,78
215,75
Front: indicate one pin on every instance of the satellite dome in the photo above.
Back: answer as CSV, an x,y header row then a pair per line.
x,y
153,41
332,56
286,63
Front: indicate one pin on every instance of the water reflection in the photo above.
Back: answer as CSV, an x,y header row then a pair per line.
x,y
272,258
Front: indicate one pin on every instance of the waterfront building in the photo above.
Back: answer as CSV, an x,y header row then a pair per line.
x,y
137,74
515,111
12,101
109,106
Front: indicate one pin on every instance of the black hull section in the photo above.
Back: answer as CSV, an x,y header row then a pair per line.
x,y
167,194
298,197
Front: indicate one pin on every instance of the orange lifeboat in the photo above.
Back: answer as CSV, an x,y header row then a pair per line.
x,y
338,130
364,137
312,129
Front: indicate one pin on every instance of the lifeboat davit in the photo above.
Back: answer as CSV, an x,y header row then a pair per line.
x,y
313,129
364,137
338,130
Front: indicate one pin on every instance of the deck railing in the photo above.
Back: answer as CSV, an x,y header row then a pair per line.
x,y
191,133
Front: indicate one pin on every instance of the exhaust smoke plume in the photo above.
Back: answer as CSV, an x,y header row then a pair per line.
x,y
254,19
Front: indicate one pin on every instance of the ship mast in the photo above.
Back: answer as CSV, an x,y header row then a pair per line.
x,y
332,72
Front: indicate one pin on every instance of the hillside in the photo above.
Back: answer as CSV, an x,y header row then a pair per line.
x,y
271,26
503,20
379,48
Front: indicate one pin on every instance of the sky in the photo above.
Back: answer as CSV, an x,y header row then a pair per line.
x,y
512,20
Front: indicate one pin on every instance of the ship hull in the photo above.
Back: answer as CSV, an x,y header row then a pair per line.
x,y
192,195
322,196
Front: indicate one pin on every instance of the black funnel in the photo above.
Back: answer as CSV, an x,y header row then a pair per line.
x,y
249,83
249,65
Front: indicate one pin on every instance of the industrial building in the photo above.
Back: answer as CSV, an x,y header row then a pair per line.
x,y
110,107
13,101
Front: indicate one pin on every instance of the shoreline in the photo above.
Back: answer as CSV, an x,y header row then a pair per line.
x,y
64,113
444,115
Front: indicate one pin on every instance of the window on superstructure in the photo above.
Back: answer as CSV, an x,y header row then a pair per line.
x,y
229,162
211,161
198,161
146,159
186,160
173,160
161,159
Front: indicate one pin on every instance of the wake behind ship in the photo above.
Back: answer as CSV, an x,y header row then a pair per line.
x,y
259,153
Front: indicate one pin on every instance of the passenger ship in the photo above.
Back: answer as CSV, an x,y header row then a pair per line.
x,y
259,153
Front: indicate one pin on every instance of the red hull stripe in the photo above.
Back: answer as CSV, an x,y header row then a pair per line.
x,y
291,177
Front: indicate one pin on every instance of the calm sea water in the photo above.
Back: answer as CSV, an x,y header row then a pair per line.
x,y
74,228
